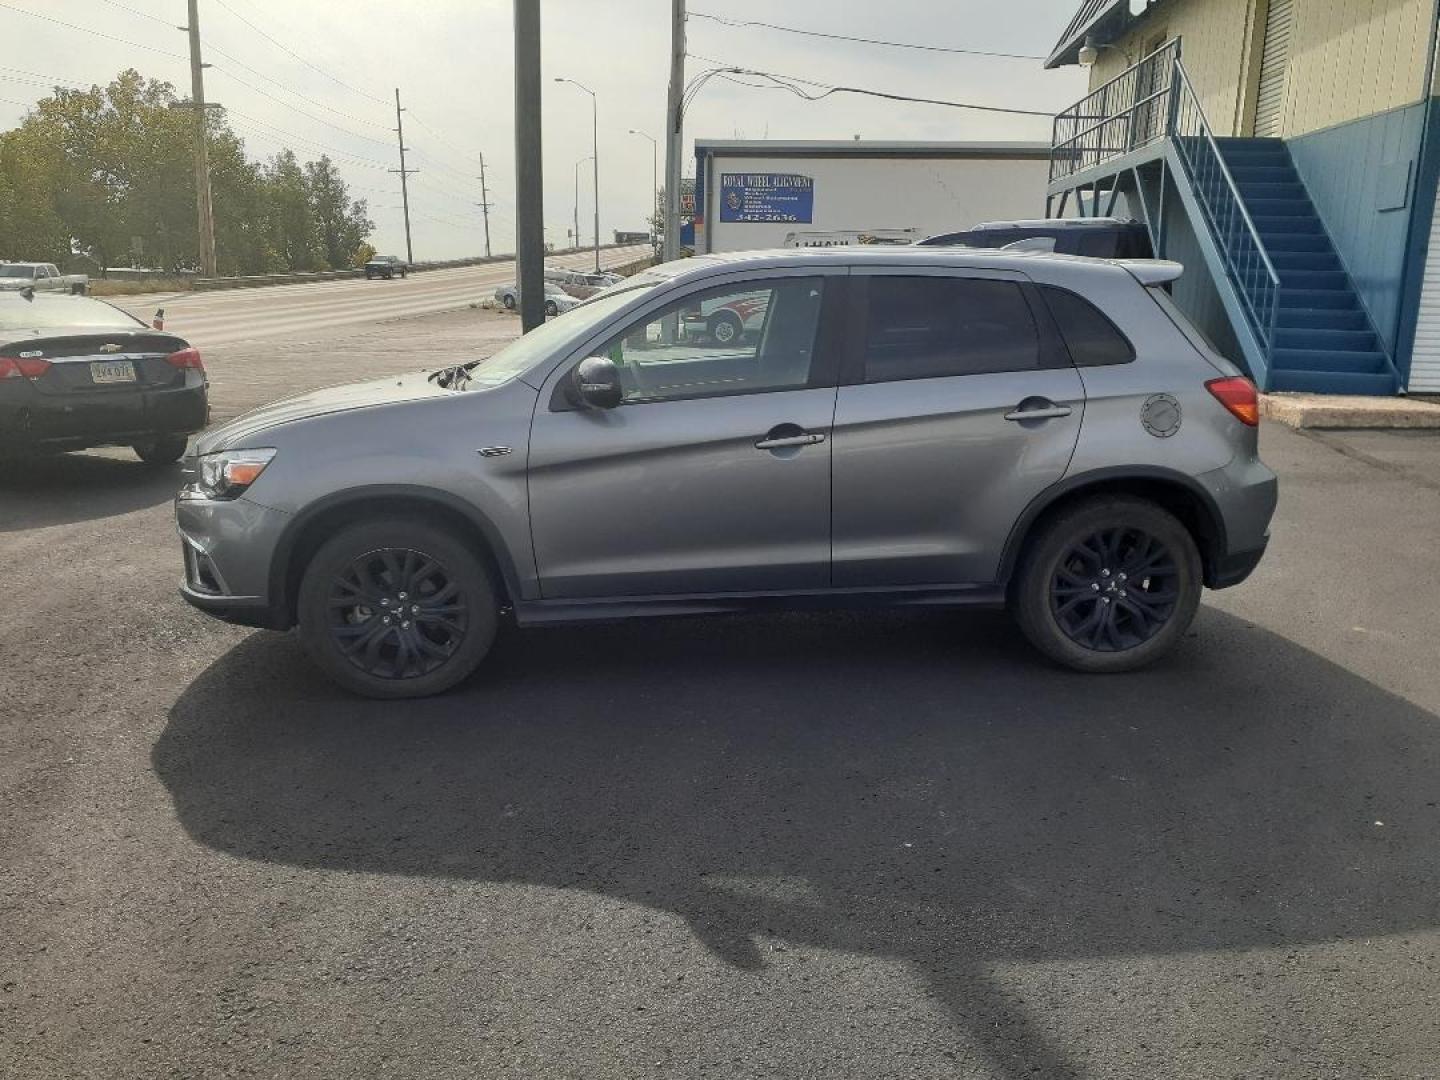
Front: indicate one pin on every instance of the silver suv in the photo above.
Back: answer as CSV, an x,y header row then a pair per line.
x,y
903,427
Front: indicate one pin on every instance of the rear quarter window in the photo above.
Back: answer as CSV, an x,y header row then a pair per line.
x,y
1093,340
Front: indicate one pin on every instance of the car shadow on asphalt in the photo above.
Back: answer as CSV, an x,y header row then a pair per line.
x,y
36,493
947,798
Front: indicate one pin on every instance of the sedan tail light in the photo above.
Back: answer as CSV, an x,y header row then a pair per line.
x,y
1238,395
22,367
186,358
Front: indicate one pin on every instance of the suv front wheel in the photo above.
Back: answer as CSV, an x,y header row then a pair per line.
x,y
1108,585
396,609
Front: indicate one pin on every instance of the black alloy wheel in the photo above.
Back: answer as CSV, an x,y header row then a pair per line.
x,y
397,613
1114,589
725,329
1110,583
551,308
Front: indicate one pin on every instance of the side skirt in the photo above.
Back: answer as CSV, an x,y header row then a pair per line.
x,y
552,612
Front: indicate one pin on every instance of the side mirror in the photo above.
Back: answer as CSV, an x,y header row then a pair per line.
x,y
595,383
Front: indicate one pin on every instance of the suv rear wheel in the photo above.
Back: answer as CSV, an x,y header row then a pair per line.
x,y
396,609
1109,585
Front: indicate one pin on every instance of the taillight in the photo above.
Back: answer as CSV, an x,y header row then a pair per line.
x,y
1239,397
186,358
22,367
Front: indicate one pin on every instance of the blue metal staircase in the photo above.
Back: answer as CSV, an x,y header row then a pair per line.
x,y
1297,317
1323,341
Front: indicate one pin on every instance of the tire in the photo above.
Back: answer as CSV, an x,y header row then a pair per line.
x,y
369,276
509,301
1074,596
419,656
550,308
77,290
166,450
725,328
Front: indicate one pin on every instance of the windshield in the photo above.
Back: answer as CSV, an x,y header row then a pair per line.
x,y
47,313
552,338
16,270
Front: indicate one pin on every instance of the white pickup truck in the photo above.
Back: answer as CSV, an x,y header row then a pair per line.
x,y
43,277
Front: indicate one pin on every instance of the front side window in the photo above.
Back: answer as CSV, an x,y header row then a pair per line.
x,y
933,327
732,340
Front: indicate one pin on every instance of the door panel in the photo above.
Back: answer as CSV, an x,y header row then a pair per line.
x,y
931,472
669,493
930,476
673,497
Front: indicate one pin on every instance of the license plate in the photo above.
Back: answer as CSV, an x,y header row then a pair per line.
x,y
112,371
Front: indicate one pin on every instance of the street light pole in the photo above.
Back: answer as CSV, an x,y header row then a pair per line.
x,y
577,199
595,148
529,171
654,180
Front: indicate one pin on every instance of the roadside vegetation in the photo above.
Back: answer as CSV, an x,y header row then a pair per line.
x,y
88,173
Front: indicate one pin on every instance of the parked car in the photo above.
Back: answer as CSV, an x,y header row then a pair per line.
x,y
557,300
583,285
909,428
76,372
726,320
387,267
42,277
1105,238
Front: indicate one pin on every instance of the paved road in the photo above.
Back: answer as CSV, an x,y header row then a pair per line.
x,y
793,846
208,319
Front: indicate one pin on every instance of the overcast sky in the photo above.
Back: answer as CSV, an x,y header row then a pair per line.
x,y
452,60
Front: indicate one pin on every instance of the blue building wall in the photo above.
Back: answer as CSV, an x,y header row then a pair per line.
x,y
1362,179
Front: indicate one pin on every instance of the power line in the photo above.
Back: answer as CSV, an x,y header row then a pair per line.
x,y
96,33
143,14
787,82
296,108
291,52
741,23
276,82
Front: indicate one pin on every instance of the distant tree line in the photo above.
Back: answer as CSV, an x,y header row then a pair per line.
x,y
89,170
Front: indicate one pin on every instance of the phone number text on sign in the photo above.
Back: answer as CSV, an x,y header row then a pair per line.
x,y
767,197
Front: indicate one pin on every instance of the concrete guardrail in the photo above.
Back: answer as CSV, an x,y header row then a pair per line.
x,y
254,281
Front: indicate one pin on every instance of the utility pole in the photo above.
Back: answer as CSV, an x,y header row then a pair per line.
x,y
674,125
485,205
404,175
529,175
204,208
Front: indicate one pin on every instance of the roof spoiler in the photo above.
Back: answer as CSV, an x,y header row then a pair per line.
x,y
1153,271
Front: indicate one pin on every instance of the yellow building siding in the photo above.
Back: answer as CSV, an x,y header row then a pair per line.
x,y
1354,58
1348,58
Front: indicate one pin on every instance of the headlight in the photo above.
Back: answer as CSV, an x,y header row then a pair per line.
x,y
227,473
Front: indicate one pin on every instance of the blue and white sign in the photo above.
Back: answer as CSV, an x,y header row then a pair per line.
x,y
761,197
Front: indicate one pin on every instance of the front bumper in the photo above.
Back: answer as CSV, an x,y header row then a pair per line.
x,y
228,547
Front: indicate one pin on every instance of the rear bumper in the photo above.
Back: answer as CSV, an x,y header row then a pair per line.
x,y
41,424
1232,569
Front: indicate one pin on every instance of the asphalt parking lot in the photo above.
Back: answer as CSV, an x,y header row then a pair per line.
x,y
792,846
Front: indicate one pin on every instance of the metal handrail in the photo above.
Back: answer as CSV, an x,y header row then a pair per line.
x,y
1087,146
1225,172
1246,259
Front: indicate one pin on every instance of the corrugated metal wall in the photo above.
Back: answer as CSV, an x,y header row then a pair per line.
x,y
1425,360
1274,61
1361,177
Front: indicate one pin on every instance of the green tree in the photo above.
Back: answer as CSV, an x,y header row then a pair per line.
x,y
341,223
291,226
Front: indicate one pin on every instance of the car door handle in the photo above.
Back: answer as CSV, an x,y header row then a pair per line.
x,y
789,440
1052,412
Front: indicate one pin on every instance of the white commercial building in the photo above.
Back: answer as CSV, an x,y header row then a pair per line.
x,y
765,194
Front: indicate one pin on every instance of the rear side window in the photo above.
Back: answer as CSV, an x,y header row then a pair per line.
x,y
1093,340
933,327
